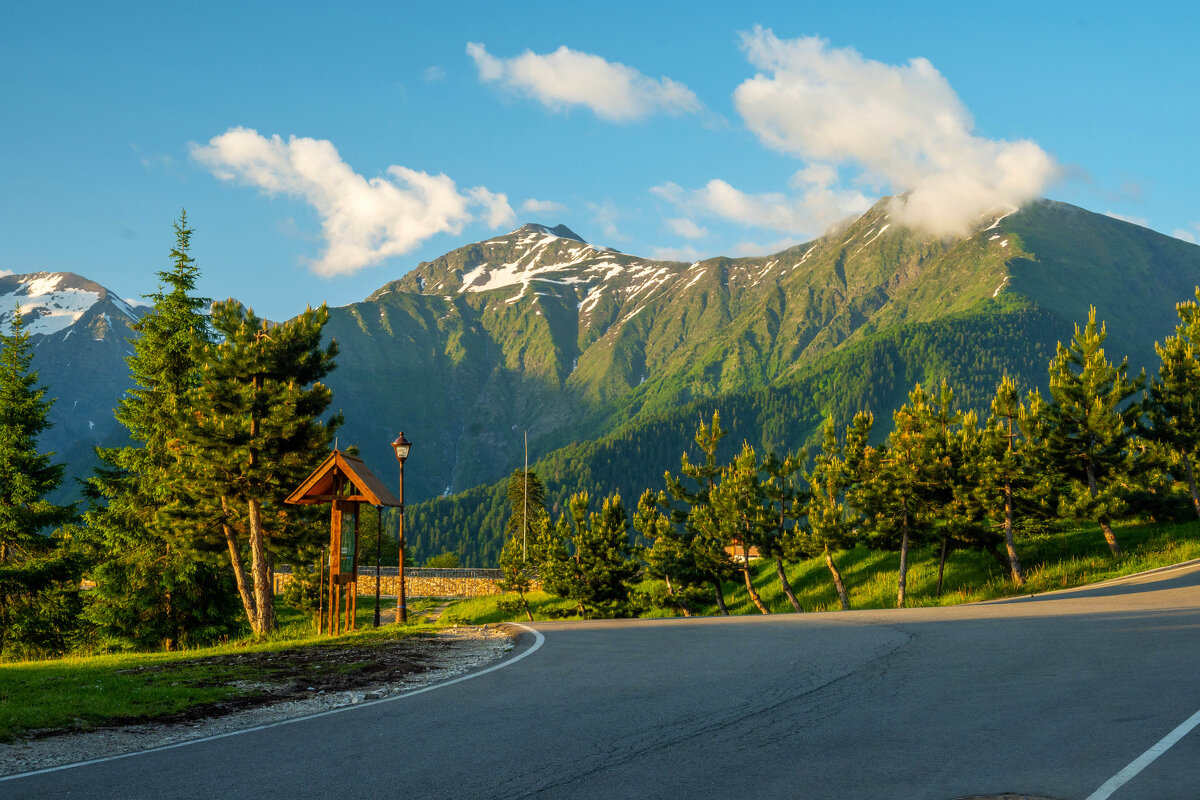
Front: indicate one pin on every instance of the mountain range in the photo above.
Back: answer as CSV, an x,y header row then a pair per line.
x,y
606,359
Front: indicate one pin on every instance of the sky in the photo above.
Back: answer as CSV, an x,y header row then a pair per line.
x,y
322,150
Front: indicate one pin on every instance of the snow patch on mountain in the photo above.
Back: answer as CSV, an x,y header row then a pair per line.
x,y
53,306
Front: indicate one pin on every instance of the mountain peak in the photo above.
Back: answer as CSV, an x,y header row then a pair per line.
x,y
51,302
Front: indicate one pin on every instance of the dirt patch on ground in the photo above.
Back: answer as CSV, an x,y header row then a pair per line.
x,y
277,686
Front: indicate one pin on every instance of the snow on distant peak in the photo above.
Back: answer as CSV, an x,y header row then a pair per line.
x,y
53,307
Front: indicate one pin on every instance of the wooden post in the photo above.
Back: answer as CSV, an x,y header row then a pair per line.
x,y
335,566
354,585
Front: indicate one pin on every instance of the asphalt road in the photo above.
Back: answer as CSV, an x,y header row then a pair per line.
x,y
1048,696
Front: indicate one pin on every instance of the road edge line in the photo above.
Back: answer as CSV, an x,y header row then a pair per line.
x,y
1144,760
538,641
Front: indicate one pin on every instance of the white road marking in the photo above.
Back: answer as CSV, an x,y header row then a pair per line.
x,y
1144,760
539,639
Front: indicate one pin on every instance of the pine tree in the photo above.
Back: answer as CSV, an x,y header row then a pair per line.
x,y
38,578
597,573
902,482
158,581
669,559
256,434
784,498
1090,424
526,500
736,514
828,525
1005,467
1173,398
687,507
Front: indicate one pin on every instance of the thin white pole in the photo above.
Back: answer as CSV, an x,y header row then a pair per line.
x,y
525,505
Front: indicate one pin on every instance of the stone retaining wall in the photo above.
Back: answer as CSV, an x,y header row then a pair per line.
x,y
421,582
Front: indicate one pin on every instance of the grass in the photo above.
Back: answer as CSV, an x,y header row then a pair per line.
x,y
1054,560
81,691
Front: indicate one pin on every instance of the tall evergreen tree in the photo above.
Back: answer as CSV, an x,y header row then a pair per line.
x,y
785,498
902,482
1090,424
598,572
157,582
256,434
38,580
735,515
828,526
1173,398
526,500
687,506
670,558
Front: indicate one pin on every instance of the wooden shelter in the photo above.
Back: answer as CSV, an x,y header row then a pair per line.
x,y
345,482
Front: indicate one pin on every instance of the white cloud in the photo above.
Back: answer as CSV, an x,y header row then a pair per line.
x,y
363,221
6,272
1126,218
567,78
749,248
811,212
433,74
902,126
606,215
1186,234
686,228
685,253
535,206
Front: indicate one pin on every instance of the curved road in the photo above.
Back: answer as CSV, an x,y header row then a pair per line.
x,y
1050,696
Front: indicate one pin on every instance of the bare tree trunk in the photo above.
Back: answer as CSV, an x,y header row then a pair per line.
x,y
787,586
1187,460
524,602
758,603
264,595
1111,538
239,569
903,578
843,598
1018,574
720,596
942,563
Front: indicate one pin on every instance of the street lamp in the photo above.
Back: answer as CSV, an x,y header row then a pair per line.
x,y
402,447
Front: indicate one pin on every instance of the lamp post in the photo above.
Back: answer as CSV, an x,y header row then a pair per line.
x,y
401,446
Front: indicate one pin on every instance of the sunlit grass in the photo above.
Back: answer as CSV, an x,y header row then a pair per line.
x,y
80,691
1060,559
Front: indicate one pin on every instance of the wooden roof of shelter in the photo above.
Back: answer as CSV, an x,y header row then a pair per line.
x,y
321,486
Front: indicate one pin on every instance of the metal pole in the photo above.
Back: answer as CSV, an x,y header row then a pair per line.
x,y
378,556
525,505
401,603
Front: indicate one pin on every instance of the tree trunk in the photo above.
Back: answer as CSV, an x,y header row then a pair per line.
x,y
758,603
239,569
787,586
1110,537
720,596
1018,574
902,580
1187,461
524,602
843,598
942,563
264,596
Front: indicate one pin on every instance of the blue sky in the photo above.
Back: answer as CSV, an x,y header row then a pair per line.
x,y
321,151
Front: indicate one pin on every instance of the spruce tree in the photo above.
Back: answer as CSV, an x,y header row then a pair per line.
x,y
1090,424
1173,398
596,572
158,581
38,579
526,500
256,434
